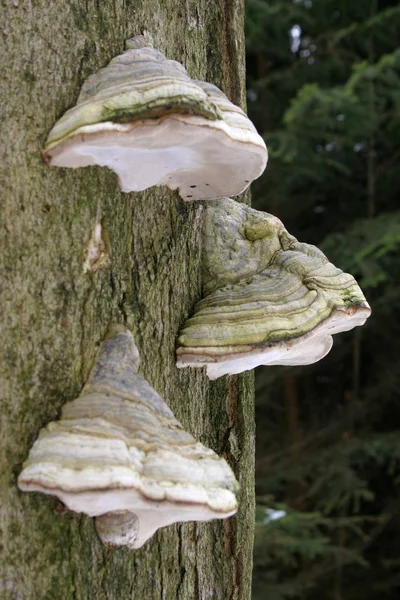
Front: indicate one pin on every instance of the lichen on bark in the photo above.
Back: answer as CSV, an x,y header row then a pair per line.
x,y
54,313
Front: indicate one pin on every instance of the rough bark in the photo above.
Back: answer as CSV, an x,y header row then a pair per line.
x,y
54,315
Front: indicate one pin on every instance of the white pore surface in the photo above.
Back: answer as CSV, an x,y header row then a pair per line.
x,y
151,514
304,350
158,516
203,159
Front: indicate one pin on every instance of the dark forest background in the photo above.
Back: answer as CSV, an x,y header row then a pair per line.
x,y
324,91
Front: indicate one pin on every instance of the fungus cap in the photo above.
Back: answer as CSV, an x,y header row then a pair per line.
x,y
146,119
119,454
268,299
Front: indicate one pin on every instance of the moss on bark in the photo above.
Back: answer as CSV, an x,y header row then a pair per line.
x,y
54,315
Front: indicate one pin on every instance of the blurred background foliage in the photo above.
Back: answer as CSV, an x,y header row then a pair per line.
x,y
324,91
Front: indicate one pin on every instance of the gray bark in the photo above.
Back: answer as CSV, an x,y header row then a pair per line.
x,y
54,315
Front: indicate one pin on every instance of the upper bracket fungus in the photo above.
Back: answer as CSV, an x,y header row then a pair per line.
x,y
268,299
119,454
146,119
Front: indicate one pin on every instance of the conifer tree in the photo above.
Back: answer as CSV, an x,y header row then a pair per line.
x,y
324,90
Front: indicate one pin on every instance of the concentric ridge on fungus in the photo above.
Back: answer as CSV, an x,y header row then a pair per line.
x,y
146,119
268,299
118,453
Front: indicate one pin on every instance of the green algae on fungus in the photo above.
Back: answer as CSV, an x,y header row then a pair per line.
x,y
119,454
147,120
268,299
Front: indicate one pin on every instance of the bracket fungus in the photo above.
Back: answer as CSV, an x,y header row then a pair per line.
x,y
119,454
143,117
268,299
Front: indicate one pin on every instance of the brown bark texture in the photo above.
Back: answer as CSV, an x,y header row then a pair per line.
x,y
54,314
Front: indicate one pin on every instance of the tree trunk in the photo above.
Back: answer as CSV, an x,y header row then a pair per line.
x,y
54,315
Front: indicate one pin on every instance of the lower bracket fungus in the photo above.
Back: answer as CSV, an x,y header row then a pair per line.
x,y
143,117
268,299
119,454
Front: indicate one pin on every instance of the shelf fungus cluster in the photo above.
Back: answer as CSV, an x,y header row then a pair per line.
x,y
146,119
119,454
268,299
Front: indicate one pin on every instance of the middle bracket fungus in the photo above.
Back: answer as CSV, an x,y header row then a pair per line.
x,y
268,299
119,454
143,117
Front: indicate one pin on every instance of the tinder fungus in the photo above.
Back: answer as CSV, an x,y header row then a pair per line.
x,y
143,117
118,454
267,298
